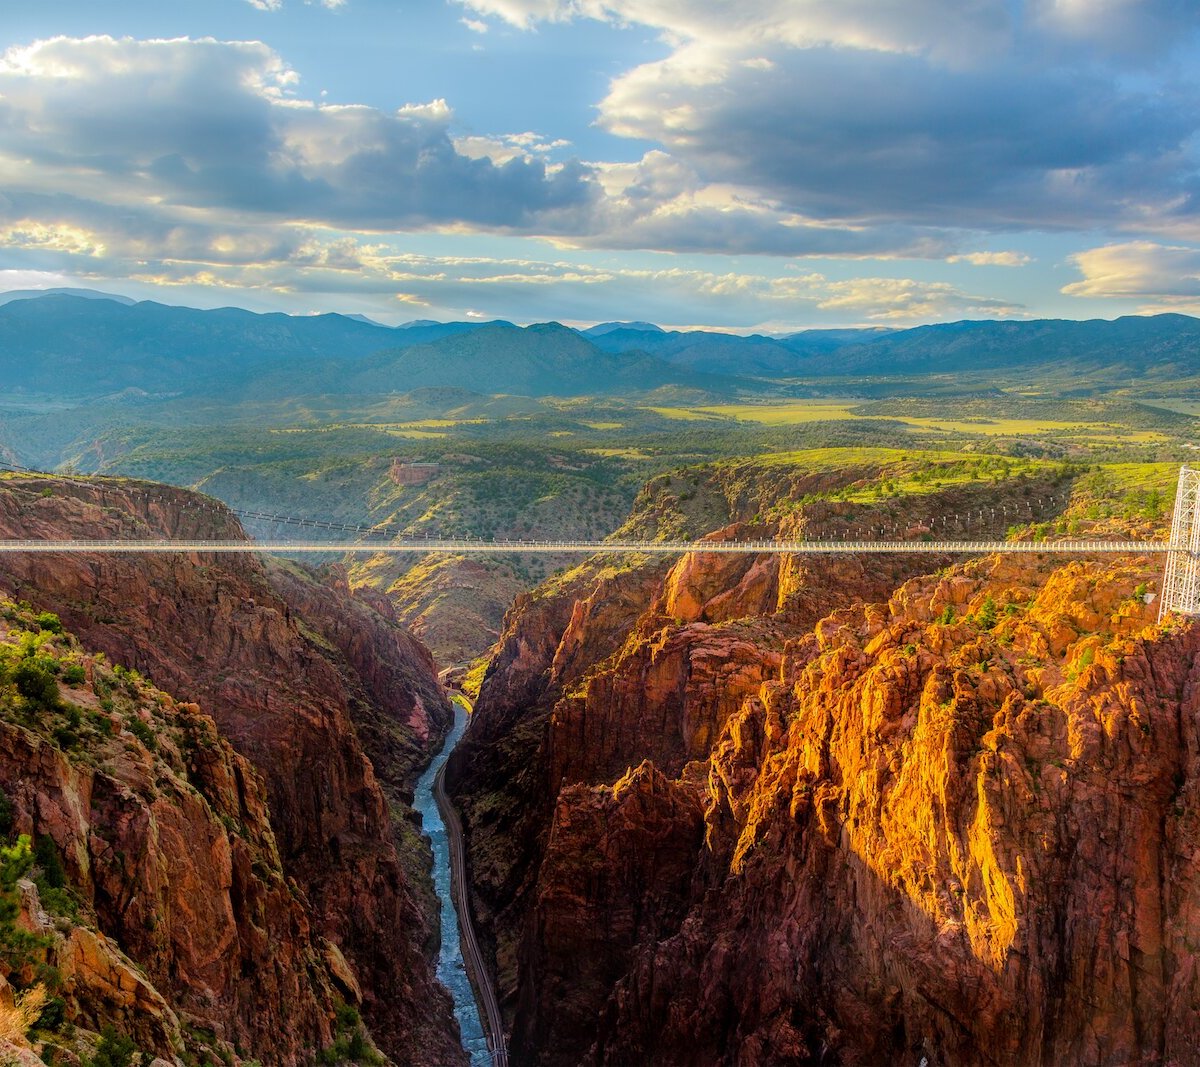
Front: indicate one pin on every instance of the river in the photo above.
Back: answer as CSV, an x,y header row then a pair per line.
x,y
450,970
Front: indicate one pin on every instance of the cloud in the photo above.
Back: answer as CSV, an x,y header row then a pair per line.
x,y
296,266
904,300
277,5
882,129
215,125
205,130
1143,29
987,115
868,137
991,259
500,148
474,25
574,292
32,279
1160,277
951,31
947,27
660,202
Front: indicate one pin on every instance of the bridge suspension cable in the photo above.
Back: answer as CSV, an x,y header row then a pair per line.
x,y
476,546
1181,586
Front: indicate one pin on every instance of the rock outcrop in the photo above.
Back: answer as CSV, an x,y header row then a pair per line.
x,y
843,814
173,891
285,689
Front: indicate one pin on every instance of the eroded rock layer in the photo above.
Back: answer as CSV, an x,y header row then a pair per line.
x,y
284,666
176,892
760,811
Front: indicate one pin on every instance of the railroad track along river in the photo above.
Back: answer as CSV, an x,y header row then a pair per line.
x,y
472,955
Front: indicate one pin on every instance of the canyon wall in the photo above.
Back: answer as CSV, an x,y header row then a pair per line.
x,y
304,681
176,890
762,811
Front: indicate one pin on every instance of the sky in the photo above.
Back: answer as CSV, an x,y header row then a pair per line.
x,y
751,165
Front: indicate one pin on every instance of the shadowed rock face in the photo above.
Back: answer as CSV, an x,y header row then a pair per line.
x,y
170,848
284,666
760,813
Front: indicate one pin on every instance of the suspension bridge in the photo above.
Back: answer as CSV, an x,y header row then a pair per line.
x,y
1180,587
499,546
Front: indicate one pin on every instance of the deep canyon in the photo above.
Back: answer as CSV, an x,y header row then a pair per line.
x,y
719,809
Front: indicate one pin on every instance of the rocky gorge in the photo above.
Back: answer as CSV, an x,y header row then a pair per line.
x,y
757,811
720,809
246,882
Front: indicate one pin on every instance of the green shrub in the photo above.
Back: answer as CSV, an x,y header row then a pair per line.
x,y
987,613
16,861
74,674
17,946
102,724
53,1014
45,854
47,620
115,1049
36,684
60,902
142,731
65,737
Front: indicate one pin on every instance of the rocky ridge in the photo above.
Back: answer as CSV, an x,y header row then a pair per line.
x,y
159,883
841,814
284,665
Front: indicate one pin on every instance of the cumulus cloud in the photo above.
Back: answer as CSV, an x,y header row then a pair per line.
x,y
879,129
865,112
205,128
944,26
574,292
951,31
500,148
862,136
663,203
904,300
1138,28
1160,277
207,124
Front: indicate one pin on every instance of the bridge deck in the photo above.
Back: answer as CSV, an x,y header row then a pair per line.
x,y
482,547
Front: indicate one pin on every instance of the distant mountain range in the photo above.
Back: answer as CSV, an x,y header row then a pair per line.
x,y
84,294
80,343
1162,348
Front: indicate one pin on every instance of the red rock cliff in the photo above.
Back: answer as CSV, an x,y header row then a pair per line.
x,y
284,689
842,816
177,891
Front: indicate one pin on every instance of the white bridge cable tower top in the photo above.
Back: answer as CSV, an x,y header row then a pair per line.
x,y
1181,582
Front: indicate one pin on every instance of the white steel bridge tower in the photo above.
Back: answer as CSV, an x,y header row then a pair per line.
x,y
1181,582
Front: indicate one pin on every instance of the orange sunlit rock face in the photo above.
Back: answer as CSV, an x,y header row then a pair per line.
x,y
769,811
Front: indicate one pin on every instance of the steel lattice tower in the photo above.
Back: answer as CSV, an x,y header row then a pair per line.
x,y
1181,582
